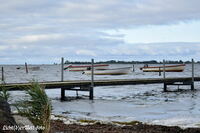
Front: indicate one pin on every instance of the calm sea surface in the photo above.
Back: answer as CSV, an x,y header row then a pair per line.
x,y
146,103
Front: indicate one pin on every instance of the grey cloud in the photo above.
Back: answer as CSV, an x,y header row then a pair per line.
x,y
74,28
103,14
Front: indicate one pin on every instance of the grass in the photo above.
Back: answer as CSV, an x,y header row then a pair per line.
x,y
37,108
4,95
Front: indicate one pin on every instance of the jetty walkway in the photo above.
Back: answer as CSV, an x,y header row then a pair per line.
x,y
88,85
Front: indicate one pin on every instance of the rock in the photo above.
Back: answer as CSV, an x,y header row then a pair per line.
x,y
7,122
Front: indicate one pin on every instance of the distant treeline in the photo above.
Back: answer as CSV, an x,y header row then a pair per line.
x,y
131,62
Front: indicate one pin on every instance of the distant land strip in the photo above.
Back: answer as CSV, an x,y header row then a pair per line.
x,y
131,62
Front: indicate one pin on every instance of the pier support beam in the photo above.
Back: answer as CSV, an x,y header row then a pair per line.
x,y
192,86
62,94
91,95
165,87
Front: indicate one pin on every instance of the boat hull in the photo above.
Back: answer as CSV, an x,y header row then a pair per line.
x,y
86,67
118,71
173,68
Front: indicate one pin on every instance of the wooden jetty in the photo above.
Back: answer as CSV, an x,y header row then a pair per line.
x,y
88,85
85,85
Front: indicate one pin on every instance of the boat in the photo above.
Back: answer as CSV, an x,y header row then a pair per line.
x,y
33,68
86,67
168,68
116,71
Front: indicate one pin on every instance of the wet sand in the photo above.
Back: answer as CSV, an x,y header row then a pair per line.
x,y
59,126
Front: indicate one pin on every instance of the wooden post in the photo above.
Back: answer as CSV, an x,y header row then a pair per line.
x,y
159,71
2,75
133,68
62,94
92,80
76,93
164,69
62,69
26,66
192,84
165,85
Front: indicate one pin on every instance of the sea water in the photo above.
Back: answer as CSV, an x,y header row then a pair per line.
x,y
146,103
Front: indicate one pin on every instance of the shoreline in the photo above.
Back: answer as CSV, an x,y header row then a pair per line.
x,y
65,124
137,127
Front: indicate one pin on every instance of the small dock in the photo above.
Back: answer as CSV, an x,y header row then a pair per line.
x,y
85,85
88,85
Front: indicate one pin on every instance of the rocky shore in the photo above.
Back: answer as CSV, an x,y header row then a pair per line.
x,y
6,118
59,126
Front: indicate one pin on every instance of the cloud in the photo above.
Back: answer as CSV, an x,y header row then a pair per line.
x,y
103,14
35,38
49,29
85,52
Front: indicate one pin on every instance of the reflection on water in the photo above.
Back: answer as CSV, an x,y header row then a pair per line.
x,y
146,103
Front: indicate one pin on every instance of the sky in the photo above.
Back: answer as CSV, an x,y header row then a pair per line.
x,y
43,31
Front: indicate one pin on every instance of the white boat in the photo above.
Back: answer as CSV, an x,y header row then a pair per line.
x,y
168,68
86,67
116,71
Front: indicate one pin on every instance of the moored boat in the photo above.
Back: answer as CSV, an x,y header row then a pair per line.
x,y
86,67
33,68
168,68
116,71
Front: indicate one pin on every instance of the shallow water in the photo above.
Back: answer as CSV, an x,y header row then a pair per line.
x,y
147,103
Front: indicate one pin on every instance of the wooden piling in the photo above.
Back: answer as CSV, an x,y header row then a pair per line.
x,y
159,72
62,69
92,80
2,75
62,94
165,85
164,69
26,66
76,93
133,68
192,82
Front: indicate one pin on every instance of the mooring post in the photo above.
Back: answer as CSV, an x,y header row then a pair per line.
x,y
26,66
62,78
2,75
192,84
133,68
164,69
92,80
159,72
165,85
62,69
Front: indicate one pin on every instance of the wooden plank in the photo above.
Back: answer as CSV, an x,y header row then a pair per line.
x,y
78,89
113,82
